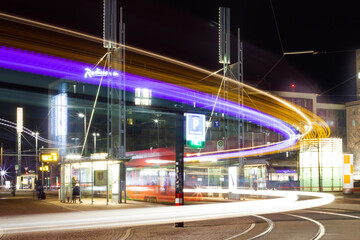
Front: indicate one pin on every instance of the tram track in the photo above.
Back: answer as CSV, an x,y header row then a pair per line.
x,y
321,232
268,230
321,228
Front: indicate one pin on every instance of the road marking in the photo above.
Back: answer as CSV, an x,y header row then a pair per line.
x,y
244,232
331,213
321,231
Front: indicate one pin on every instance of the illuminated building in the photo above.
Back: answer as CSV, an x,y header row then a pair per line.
x,y
353,134
299,164
73,90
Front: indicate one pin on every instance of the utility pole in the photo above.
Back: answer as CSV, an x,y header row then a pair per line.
x,y
241,116
36,154
179,163
114,41
319,166
224,58
83,115
19,129
1,166
42,172
95,135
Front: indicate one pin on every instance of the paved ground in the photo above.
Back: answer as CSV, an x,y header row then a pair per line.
x,y
235,228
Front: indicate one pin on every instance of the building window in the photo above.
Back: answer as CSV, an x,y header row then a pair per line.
x,y
353,123
142,96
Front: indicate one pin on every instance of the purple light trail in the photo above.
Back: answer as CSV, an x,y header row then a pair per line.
x,y
42,64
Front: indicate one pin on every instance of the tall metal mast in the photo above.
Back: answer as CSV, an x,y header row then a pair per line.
x,y
224,58
241,125
114,41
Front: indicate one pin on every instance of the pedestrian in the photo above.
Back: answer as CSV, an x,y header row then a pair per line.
x,y
40,190
13,188
73,182
255,185
76,194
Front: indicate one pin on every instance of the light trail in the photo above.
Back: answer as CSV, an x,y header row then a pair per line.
x,y
161,215
16,59
321,129
308,124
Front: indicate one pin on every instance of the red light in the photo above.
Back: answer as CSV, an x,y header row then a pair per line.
x,y
292,85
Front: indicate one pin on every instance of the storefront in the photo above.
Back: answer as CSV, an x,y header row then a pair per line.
x,y
26,182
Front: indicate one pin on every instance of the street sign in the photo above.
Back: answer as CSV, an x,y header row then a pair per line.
x,y
45,168
195,130
49,154
49,157
216,123
220,145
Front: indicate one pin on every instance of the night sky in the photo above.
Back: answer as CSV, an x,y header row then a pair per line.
x,y
187,30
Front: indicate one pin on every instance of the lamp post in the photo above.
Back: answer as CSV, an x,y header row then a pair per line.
x,y
36,134
95,135
83,115
1,166
19,129
156,121
2,175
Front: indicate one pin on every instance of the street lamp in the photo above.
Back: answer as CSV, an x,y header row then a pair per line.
x,y
2,175
36,134
156,121
82,115
95,135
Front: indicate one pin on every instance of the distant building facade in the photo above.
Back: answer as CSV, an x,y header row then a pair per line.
x,y
333,114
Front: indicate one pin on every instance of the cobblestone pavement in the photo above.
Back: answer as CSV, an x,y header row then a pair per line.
x,y
26,203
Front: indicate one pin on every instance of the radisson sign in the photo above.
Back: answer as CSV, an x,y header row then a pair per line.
x,y
90,73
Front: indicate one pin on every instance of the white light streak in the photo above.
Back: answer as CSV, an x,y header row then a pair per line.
x,y
167,214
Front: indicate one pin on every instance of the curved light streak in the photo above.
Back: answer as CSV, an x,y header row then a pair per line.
x,y
321,129
43,64
286,201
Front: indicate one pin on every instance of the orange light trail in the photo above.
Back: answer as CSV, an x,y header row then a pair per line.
x,y
308,124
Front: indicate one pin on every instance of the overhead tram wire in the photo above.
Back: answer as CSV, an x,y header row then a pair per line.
x,y
277,27
350,78
281,46
270,70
